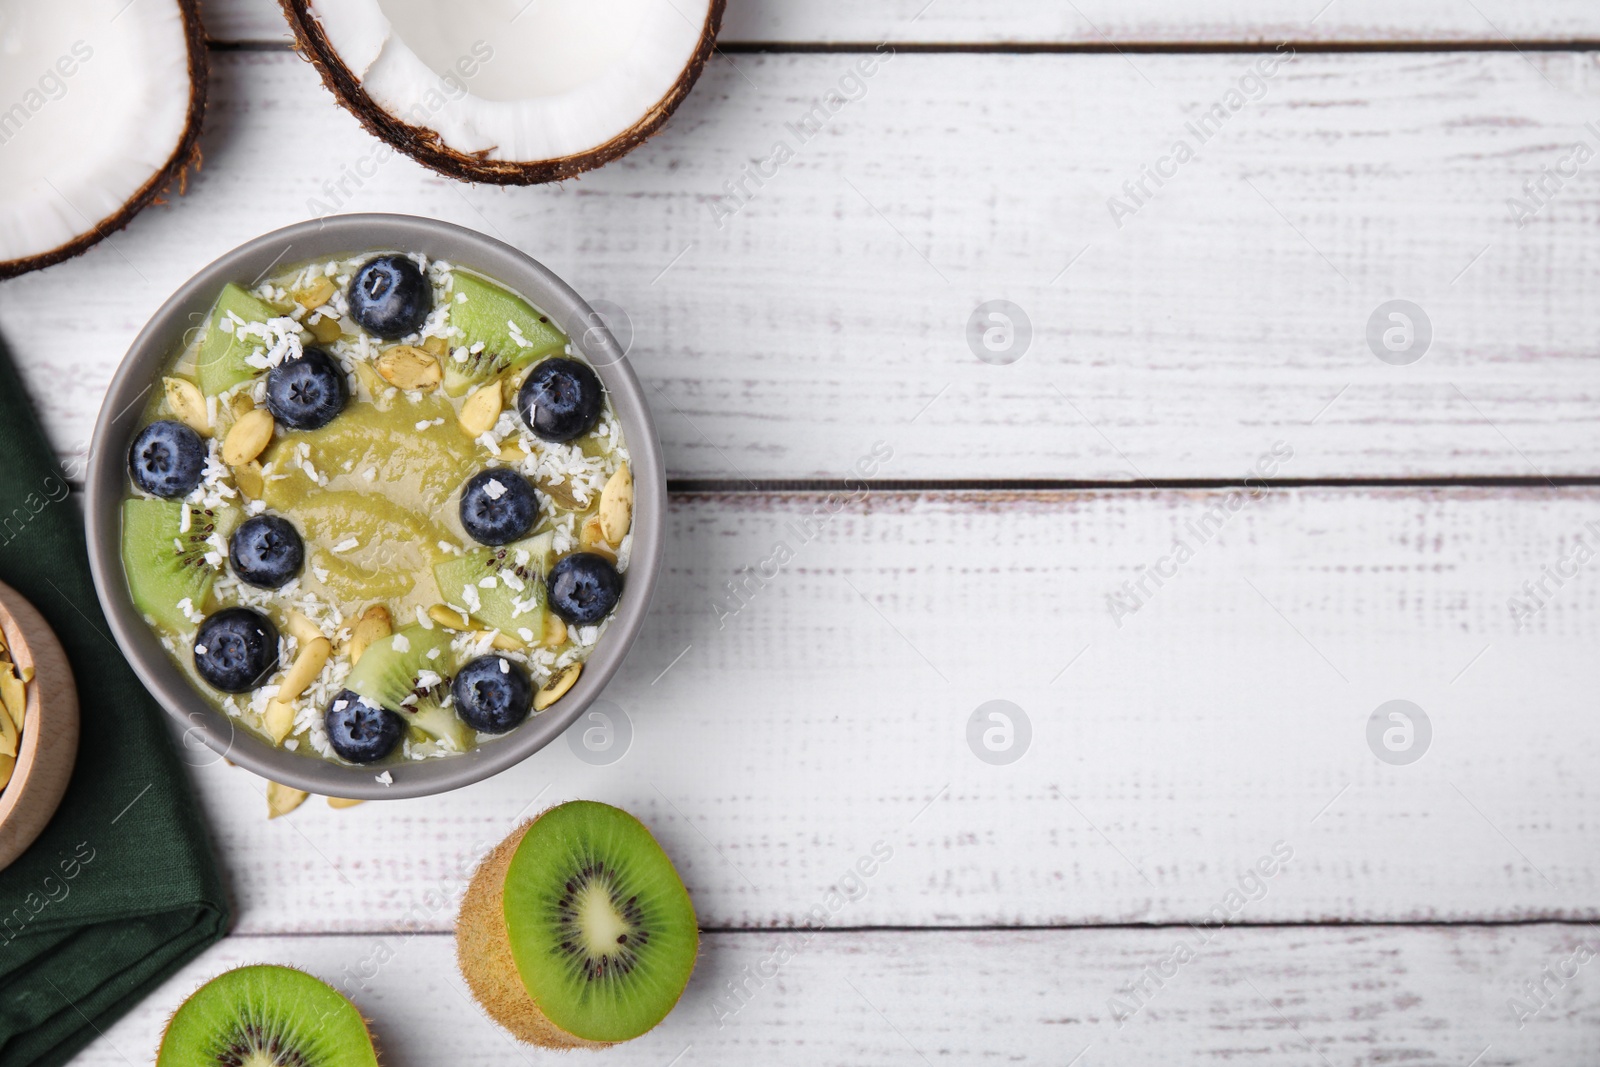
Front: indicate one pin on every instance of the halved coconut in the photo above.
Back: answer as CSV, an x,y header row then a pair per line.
x,y
100,104
509,91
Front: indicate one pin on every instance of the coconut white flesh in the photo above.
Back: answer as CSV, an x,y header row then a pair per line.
x,y
94,100
516,80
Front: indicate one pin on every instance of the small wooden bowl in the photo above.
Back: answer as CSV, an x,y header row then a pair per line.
x,y
49,727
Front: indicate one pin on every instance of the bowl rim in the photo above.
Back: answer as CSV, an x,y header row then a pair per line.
x,y
208,733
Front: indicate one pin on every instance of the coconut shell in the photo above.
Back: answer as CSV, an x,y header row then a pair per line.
x,y
426,147
186,152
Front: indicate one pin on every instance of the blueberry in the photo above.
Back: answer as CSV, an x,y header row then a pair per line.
x,y
266,551
498,506
359,730
167,459
492,694
390,297
306,393
236,649
584,588
561,399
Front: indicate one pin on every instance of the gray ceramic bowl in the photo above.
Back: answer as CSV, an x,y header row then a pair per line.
x,y
125,401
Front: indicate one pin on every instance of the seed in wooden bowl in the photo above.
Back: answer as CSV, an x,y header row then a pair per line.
x,y
13,703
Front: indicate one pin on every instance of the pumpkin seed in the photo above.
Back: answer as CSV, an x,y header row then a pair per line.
x,y
482,410
282,799
247,438
307,665
316,294
408,367
449,619
188,404
616,505
502,641
278,719
304,630
374,625
556,687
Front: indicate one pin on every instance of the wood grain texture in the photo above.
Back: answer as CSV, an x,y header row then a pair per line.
x,y
1252,996
1084,22
1224,718
1230,311
807,757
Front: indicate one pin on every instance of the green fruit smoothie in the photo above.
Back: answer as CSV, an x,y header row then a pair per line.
x,y
378,509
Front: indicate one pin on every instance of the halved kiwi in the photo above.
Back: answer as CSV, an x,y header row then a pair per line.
x,y
504,328
164,562
576,931
266,1015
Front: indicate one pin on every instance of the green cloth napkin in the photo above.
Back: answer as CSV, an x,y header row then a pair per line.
x,y
121,889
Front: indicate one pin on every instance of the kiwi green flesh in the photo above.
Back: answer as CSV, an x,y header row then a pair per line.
x,y
429,719
485,317
220,362
166,564
266,1015
497,605
388,671
601,928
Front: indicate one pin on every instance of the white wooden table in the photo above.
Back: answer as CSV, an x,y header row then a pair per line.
x,y
1029,911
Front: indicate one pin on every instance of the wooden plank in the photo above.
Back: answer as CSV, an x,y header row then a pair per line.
x,y
1086,22
1254,996
1229,312
1223,721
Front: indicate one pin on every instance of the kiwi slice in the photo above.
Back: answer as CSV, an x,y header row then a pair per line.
x,y
220,363
428,718
576,931
433,720
388,671
520,564
166,563
388,676
266,1015
494,317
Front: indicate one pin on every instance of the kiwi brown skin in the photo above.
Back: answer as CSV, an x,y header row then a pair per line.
x,y
483,952
427,148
